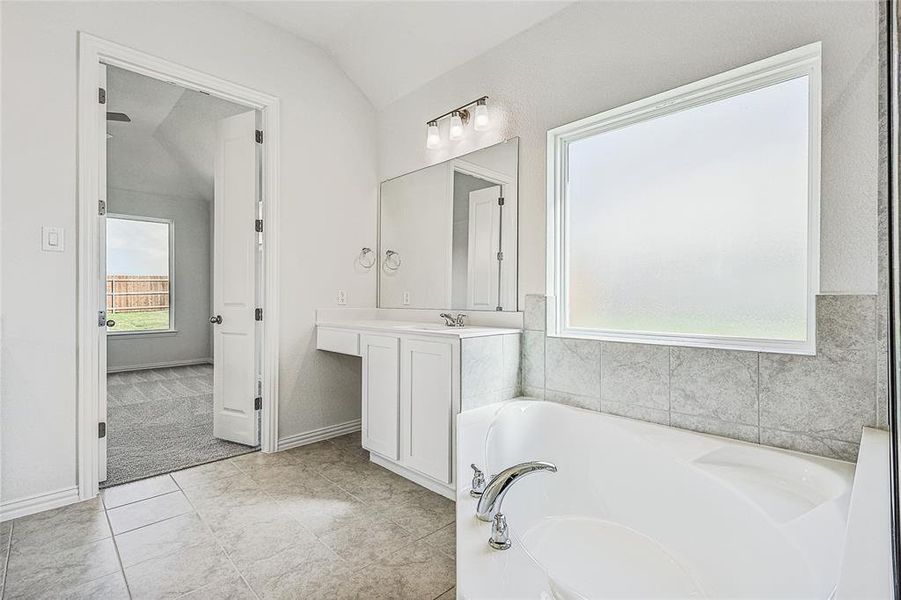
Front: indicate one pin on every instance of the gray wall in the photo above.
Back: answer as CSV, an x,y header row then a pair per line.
x,y
191,286
816,404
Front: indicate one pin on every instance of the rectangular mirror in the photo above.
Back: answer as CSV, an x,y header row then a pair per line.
x,y
448,234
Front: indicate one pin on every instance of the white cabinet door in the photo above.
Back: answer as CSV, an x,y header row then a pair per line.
x,y
381,403
427,407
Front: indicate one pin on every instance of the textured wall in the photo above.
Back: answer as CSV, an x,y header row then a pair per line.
x,y
815,404
489,369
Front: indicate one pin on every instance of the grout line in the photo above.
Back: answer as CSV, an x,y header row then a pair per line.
x,y
759,435
445,591
140,500
5,566
116,547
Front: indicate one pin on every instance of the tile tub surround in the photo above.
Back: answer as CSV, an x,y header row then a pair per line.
x,y
317,521
489,369
815,404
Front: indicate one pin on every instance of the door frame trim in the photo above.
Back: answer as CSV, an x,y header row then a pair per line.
x,y
93,51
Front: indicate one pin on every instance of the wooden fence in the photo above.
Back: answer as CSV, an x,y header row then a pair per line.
x,y
133,293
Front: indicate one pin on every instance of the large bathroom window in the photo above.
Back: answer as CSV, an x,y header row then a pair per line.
x,y
692,217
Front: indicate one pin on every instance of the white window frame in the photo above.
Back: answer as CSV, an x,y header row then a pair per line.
x,y
804,61
153,332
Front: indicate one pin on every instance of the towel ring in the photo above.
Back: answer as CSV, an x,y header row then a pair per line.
x,y
366,258
392,260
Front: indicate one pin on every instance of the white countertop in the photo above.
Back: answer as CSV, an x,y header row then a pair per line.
x,y
422,328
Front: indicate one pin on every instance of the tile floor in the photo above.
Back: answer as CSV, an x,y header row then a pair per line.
x,y
319,521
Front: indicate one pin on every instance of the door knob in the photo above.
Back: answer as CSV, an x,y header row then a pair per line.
x,y
217,320
110,323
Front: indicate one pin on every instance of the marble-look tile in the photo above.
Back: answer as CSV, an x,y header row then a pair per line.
x,y
277,479
586,402
139,490
635,411
535,393
511,376
702,424
34,570
490,398
204,473
420,511
145,512
634,374
845,323
882,393
828,396
65,527
533,359
809,444
416,571
714,384
257,460
108,587
232,587
573,366
248,542
231,490
324,510
297,574
322,455
179,572
161,539
535,313
362,542
445,539
481,365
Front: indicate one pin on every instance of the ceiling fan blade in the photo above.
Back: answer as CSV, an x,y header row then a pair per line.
x,y
121,117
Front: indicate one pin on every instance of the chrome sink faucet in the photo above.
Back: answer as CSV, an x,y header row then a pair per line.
x,y
453,320
492,497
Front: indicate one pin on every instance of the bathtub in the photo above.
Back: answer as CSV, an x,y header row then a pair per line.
x,y
638,510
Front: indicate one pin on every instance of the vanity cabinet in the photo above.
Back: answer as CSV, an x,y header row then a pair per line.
x,y
381,394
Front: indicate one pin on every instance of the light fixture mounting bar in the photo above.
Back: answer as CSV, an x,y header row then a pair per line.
x,y
458,109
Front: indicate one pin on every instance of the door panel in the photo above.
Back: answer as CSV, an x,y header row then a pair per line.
x,y
484,245
381,371
101,247
234,280
427,407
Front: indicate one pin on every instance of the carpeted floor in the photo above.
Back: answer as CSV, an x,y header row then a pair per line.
x,y
161,420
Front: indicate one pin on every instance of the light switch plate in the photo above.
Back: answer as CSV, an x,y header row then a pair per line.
x,y
53,239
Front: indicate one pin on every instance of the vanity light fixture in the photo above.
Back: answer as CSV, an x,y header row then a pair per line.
x,y
459,117
433,138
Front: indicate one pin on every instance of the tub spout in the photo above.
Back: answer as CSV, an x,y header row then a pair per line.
x,y
493,495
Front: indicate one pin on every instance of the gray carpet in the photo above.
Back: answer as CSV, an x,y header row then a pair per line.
x,y
161,420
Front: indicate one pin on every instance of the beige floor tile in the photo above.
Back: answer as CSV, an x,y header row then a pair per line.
x,y
109,587
364,541
65,527
318,455
419,511
145,512
301,572
32,571
445,540
138,490
415,572
233,489
195,476
325,511
160,539
228,588
179,572
281,478
450,594
247,543
256,460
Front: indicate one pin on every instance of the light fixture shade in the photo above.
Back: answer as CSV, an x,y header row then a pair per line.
x,y
433,137
456,126
481,121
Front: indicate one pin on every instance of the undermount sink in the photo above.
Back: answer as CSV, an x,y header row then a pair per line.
x,y
426,326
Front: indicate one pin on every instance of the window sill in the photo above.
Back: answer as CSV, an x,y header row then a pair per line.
x,y
151,333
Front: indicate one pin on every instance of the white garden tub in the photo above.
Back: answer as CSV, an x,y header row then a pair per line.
x,y
638,510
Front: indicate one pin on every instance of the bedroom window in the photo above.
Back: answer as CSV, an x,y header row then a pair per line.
x,y
692,217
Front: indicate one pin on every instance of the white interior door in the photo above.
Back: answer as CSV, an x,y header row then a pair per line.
x,y
484,245
234,276
101,243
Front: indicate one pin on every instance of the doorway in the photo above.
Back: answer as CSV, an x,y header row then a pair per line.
x,y
166,149
241,365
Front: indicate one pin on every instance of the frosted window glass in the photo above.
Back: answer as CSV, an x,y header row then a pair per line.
x,y
694,222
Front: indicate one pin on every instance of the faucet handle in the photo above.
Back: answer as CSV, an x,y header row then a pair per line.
x,y
500,537
458,320
448,319
478,482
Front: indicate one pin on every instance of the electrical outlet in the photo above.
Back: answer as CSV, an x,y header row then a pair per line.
x,y
342,297
406,298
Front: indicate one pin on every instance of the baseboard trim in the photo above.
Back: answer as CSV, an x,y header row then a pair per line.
x,y
162,365
38,503
317,435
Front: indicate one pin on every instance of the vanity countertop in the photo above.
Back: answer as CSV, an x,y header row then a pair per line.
x,y
417,327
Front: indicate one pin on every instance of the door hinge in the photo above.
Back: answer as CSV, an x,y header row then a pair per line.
x,y
257,403
500,201
259,136
101,207
258,226
500,256
498,308
101,429
101,318
101,95
258,314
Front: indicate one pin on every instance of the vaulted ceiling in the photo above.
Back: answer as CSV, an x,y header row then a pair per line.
x,y
391,48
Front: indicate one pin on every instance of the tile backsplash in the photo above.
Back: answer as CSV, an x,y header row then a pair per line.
x,y
816,404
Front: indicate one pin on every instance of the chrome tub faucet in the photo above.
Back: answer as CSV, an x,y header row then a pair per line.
x,y
453,320
492,497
